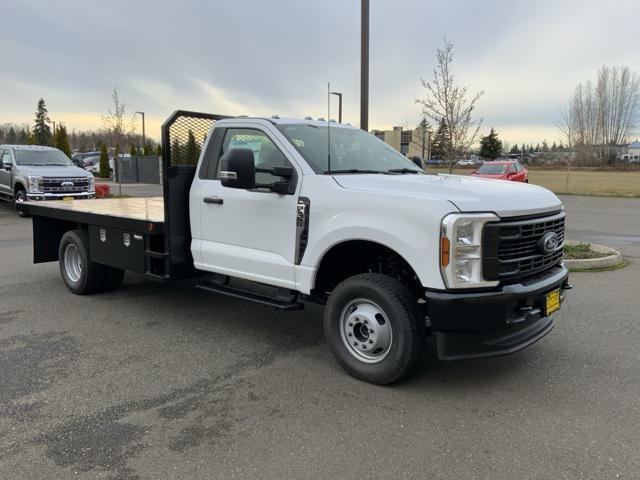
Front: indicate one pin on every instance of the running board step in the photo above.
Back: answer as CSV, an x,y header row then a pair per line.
x,y
282,304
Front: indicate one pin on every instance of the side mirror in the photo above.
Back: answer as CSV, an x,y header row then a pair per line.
x,y
417,160
237,169
7,166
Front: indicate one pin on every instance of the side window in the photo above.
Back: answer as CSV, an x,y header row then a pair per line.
x,y
209,166
265,152
518,167
5,158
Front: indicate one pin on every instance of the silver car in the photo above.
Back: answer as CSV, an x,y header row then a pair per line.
x,y
29,172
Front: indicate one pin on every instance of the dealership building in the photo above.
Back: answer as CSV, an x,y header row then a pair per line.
x,y
410,143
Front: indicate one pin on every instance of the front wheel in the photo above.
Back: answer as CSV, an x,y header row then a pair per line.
x,y
374,328
19,199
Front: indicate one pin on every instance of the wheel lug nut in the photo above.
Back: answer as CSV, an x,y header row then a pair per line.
x,y
349,334
365,320
370,341
371,332
350,324
355,344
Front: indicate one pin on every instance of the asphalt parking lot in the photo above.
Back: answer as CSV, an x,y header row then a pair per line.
x,y
162,381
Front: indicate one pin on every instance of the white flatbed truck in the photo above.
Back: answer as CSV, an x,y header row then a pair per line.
x,y
311,211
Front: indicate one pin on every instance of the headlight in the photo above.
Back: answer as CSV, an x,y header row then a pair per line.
x,y
92,184
461,249
35,184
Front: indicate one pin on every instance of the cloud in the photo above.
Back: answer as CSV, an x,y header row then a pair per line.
x,y
257,57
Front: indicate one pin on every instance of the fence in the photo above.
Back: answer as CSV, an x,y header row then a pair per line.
x,y
139,169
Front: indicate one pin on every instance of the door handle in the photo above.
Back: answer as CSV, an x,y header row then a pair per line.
x,y
216,200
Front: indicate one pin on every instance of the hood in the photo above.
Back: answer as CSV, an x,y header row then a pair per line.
x,y
497,176
469,194
50,171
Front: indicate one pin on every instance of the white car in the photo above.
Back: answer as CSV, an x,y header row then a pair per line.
x,y
466,163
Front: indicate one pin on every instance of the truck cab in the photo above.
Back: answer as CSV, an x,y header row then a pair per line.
x,y
288,211
30,172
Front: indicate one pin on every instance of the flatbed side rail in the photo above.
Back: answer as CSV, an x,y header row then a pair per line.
x,y
184,134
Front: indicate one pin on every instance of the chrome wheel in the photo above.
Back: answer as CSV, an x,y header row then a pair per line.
x,y
72,263
365,331
20,197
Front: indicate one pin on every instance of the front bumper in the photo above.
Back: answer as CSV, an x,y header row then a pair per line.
x,y
498,322
59,196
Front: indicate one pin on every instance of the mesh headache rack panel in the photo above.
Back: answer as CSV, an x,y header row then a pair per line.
x,y
184,134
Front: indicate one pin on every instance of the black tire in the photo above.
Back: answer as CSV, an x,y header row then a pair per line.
x,y
20,197
111,279
89,276
406,321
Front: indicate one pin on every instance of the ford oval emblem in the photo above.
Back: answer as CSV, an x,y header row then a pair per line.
x,y
66,184
549,243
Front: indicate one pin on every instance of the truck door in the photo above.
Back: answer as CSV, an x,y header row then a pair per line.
x,y
247,233
5,172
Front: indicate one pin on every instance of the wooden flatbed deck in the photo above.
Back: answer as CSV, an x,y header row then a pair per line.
x,y
138,214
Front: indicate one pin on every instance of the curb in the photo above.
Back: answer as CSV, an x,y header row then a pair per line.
x,y
614,259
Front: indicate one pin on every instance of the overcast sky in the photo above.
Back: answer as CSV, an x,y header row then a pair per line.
x,y
260,57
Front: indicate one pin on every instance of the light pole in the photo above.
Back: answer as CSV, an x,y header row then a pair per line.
x,y
339,95
144,141
364,66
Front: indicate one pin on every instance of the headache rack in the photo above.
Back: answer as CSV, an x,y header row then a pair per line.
x,y
184,134
512,252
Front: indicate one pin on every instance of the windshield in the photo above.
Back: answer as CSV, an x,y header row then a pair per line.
x,y
352,150
489,169
42,157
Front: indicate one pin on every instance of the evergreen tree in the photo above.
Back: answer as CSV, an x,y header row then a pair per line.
x,y
146,150
514,150
134,151
176,153
41,129
490,145
104,161
531,150
193,149
12,136
159,150
61,140
538,147
545,146
441,140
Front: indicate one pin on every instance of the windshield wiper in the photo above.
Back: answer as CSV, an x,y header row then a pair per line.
x,y
404,170
355,170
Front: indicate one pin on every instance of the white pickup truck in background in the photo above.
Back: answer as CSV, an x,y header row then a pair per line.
x,y
284,211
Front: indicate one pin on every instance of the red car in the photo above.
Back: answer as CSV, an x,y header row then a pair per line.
x,y
503,170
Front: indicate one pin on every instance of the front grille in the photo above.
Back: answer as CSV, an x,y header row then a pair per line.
x,y
55,185
511,249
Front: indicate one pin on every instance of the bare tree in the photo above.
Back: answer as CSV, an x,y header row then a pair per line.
x,y
602,117
446,100
565,126
119,128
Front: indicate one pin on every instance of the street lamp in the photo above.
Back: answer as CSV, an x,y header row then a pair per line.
x,y
339,95
144,141
364,66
